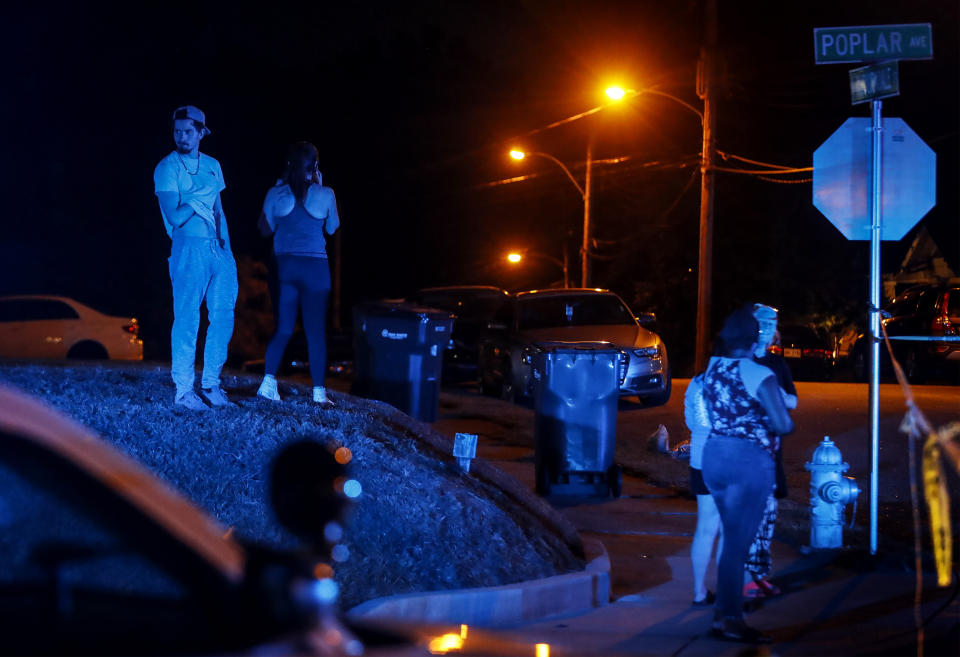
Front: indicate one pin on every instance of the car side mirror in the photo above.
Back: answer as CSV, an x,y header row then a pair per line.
x,y
646,318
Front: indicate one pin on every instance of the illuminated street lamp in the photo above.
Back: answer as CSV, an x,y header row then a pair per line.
x,y
584,192
515,257
705,256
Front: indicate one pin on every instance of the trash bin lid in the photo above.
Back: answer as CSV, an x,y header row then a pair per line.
x,y
386,308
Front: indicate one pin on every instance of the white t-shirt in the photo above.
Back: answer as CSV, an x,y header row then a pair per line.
x,y
698,420
197,182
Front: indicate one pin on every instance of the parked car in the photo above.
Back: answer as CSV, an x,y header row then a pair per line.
x,y
573,315
809,354
474,307
57,327
924,310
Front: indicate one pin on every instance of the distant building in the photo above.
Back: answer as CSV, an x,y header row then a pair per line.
x,y
923,264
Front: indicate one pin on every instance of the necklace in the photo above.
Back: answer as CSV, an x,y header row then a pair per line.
x,y
192,173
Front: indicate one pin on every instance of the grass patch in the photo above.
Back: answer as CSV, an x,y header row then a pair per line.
x,y
420,525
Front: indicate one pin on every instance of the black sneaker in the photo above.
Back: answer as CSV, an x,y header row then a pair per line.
x,y
738,631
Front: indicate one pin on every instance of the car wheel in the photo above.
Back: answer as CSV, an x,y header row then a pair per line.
x,y
660,398
87,350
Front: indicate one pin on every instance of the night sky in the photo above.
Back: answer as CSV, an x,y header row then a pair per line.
x,y
413,106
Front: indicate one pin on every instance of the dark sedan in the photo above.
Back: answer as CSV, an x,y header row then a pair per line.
x,y
925,311
474,307
809,354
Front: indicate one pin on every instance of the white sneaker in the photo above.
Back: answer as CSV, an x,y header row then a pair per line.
x,y
190,401
320,396
216,397
268,389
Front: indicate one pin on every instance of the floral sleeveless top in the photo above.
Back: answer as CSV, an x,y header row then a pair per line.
x,y
733,412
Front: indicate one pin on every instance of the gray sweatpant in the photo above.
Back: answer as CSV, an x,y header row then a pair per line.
x,y
200,270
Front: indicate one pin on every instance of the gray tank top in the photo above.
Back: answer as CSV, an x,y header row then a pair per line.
x,y
299,233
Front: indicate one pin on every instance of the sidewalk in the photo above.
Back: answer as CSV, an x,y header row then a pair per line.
x,y
839,603
831,603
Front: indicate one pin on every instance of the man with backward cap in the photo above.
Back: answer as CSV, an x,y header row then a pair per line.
x,y
188,185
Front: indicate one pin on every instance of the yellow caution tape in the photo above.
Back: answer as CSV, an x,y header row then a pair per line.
x,y
938,504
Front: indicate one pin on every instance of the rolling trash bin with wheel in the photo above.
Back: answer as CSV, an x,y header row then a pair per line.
x,y
576,389
399,352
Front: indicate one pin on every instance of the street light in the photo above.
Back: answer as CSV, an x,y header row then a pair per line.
x,y
584,192
515,257
616,93
705,255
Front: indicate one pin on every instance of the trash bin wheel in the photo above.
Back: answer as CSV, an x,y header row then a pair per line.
x,y
615,480
542,478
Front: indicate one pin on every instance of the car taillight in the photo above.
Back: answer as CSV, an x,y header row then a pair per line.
x,y
775,349
817,353
133,328
941,326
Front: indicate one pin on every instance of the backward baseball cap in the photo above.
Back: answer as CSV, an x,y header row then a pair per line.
x,y
193,114
766,317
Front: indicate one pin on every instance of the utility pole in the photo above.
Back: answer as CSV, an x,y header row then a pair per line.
x,y
705,83
585,249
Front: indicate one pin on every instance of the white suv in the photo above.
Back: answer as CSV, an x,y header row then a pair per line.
x,y
58,327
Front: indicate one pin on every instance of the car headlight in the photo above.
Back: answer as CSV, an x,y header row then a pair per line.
x,y
647,352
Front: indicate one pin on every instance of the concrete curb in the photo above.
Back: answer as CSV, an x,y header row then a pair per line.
x,y
498,605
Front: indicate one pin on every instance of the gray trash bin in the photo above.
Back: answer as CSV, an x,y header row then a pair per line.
x,y
398,355
576,389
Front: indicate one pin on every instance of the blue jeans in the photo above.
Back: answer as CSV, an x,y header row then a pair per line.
x,y
740,476
304,284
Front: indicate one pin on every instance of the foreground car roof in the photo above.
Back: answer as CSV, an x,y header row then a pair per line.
x,y
36,422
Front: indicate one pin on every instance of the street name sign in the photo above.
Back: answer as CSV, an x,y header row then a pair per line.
x,y
875,81
870,43
842,171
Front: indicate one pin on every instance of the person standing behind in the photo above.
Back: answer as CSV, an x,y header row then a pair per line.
x,y
747,415
759,562
188,185
697,419
298,210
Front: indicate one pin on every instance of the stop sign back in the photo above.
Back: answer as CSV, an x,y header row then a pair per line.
x,y
842,169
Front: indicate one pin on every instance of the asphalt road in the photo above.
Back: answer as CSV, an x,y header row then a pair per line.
x,y
838,410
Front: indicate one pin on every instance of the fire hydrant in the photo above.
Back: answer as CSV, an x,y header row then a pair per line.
x,y
830,492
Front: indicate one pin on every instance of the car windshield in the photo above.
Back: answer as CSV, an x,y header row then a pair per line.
x,y
465,306
579,310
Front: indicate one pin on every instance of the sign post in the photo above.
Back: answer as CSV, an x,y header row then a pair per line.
x,y
874,43
876,132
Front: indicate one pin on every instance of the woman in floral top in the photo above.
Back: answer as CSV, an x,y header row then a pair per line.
x,y
747,416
